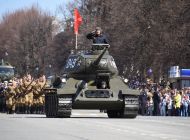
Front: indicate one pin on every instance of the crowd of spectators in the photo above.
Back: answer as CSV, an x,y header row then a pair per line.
x,y
159,99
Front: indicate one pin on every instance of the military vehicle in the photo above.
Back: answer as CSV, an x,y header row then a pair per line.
x,y
6,71
92,83
6,74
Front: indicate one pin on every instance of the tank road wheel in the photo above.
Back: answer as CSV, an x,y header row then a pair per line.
x,y
131,106
51,105
64,106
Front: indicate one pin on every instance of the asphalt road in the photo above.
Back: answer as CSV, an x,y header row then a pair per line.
x,y
92,125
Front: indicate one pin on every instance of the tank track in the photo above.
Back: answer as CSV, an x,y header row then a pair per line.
x,y
58,106
131,106
129,110
64,106
51,107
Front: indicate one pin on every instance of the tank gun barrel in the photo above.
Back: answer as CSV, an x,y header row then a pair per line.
x,y
98,59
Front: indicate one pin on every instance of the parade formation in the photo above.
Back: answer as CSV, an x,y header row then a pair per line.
x,y
22,95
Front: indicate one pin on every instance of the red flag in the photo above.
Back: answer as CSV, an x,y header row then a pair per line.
x,y
78,20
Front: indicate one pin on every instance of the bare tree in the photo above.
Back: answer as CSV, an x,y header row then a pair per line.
x,y
27,34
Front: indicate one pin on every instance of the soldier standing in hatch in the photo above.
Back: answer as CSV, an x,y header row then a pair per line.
x,y
97,36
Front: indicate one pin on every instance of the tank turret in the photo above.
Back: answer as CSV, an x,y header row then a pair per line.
x,y
89,64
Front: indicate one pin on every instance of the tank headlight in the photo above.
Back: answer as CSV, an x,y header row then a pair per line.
x,y
63,80
126,80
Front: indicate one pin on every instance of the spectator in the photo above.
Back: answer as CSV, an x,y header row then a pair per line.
x,y
150,104
177,103
163,106
185,104
169,104
156,100
143,101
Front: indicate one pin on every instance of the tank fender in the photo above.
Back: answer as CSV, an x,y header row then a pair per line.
x,y
130,92
122,88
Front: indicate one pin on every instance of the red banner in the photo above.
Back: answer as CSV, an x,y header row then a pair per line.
x,y
78,20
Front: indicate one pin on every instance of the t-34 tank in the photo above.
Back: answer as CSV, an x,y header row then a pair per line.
x,y
93,83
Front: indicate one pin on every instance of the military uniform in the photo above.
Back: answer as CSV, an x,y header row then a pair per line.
x,y
18,99
39,97
10,99
28,94
21,98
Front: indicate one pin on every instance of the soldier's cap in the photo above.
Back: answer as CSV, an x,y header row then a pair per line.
x,y
98,29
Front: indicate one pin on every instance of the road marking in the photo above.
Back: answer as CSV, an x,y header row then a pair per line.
x,y
88,115
164,137
144,134
113,124
126,130
131,130
168,122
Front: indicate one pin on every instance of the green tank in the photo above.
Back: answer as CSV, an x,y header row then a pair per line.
x,y
92,83
6,71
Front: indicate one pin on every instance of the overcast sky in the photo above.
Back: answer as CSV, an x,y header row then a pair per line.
x,y
12,5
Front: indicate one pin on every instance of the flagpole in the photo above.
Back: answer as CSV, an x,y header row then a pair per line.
x,y
76,42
